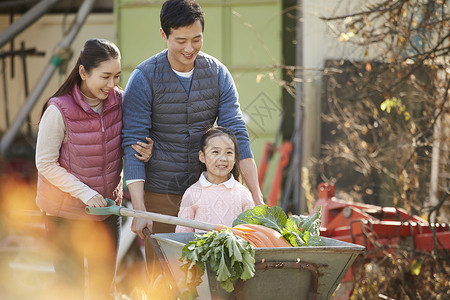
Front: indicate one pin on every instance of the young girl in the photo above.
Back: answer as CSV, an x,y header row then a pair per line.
x,y
79,163
217,197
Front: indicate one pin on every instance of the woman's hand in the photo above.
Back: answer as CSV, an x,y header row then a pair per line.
x,y
96,201
144,150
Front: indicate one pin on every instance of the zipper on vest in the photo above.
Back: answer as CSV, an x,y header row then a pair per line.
x,y
105,183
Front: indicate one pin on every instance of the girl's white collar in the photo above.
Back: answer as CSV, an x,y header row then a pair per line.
x,y
205,183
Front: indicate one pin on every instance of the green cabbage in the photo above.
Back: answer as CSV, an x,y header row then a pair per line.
x,y
297,230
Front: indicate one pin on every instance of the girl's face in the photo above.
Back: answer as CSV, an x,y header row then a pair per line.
x,y
99,82
219,158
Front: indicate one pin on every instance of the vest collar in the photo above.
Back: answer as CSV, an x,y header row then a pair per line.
x,y
79,100
198,64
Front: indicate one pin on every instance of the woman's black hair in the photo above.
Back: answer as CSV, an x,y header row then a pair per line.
x,y
218,131
180,13
94,52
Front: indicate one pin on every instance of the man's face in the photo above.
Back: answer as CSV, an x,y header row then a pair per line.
x,y
183,45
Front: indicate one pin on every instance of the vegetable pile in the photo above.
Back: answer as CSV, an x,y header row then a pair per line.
x,y
297,230
232,257
229,256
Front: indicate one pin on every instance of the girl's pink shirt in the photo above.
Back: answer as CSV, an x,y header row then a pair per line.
x,y
214,203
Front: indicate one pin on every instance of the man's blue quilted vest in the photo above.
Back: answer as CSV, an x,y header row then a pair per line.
x,y
178,121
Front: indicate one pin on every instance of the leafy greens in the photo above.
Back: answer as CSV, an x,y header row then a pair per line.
x,y
297,230
229,256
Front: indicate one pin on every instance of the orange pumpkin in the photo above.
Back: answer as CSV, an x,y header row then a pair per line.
x,y
258,236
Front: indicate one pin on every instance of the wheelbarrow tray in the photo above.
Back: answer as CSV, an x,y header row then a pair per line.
x,y
281,273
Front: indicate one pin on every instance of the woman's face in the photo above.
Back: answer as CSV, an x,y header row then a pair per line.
x,y
99,82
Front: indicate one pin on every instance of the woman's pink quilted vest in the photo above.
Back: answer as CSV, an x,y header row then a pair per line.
x,y
92,152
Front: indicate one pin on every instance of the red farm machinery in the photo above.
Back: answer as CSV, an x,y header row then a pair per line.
x,y
381,230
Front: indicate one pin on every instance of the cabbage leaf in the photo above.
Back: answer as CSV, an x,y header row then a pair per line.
x,y
229,256
298,230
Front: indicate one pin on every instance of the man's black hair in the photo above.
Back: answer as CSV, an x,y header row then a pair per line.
x,y
180,13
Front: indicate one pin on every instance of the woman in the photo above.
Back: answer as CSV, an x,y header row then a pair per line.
x,y
79,163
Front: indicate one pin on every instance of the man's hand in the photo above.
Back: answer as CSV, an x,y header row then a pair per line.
x,y
139,224
250,176
258,198
137,200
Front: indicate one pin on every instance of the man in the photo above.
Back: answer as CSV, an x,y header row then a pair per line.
x,y
173,97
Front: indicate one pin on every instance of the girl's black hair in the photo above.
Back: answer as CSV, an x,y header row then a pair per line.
x,y
218,131
94,52
180,13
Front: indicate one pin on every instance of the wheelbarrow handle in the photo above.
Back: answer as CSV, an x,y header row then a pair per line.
x,y
255,236
113,209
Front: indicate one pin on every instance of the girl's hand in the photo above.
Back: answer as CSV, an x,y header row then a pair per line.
x,y
144,150
97,201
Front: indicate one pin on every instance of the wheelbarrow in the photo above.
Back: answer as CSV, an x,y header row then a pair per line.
x,y
280,273
309,273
